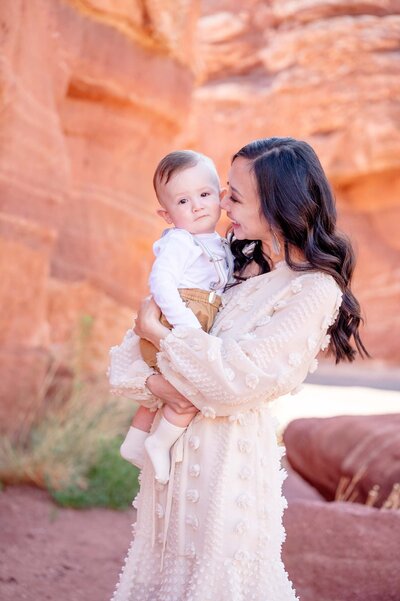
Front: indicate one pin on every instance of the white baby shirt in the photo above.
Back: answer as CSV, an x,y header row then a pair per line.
x,y
181,263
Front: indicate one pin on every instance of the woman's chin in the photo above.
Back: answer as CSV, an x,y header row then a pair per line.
x,y
238,233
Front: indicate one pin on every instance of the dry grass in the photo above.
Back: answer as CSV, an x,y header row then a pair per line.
x,y
67,435
347,491
66,440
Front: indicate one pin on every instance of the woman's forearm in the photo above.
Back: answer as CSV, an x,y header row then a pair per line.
x,y
159,333
162,389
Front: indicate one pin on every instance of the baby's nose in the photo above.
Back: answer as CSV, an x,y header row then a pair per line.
x,y
197,204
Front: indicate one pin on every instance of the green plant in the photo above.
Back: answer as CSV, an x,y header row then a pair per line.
x,y
71,446
109,482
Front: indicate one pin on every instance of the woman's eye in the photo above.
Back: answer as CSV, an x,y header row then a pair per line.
x,y
233,199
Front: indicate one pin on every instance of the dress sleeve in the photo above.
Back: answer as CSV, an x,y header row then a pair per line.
x,y
175,253
226,377
127,372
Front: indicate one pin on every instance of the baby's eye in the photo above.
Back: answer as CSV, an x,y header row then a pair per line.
x,y
182,201
203,194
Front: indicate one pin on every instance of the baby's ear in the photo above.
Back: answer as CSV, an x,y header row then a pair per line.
x,y
222,192
165,215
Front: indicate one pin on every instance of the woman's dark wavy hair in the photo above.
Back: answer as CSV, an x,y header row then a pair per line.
x,y
297,201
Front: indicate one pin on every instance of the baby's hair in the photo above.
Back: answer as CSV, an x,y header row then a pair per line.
x,y
177,161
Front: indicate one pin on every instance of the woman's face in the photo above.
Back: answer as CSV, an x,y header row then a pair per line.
x,y
242,204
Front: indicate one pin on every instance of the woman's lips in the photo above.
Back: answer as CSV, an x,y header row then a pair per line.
x,y
234,223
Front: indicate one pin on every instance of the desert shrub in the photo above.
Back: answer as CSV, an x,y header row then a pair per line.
x,y
71,448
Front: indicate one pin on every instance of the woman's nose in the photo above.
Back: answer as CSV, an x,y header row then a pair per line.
x,y
224,201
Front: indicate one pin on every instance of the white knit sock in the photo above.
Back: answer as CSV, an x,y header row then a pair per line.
x,y
158,446
132,449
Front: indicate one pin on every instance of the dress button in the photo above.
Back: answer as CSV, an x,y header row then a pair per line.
x,y
191,520
193,495
245,473
190,550
208,412
194,470
194,442
244,500
244,445
252,380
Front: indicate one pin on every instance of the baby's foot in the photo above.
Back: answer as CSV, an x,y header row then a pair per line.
x,y
158,446
132,449
159,457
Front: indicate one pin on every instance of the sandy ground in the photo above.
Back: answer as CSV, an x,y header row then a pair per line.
x,y
48,553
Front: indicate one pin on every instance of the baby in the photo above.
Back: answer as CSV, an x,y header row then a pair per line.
x,y
192,266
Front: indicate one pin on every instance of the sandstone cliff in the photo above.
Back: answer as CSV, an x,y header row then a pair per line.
x,y
94,92
327,72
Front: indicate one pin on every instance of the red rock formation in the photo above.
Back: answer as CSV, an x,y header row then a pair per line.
x,y
25,251
296,488
327,72
92,94
342,551
323,450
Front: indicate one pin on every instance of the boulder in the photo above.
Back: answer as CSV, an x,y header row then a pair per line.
x,y
296,488
342,551
361,449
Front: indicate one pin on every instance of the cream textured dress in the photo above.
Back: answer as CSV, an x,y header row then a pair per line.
x,y
214,532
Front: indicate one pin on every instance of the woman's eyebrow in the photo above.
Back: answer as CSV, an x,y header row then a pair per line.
x,y
234,189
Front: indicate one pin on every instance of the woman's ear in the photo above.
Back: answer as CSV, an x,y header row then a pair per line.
x,y
165,215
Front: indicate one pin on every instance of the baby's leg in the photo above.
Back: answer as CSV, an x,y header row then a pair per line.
x,y
178,419
132,449
143,419
159,443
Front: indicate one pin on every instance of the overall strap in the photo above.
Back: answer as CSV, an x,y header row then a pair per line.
x,y
222,265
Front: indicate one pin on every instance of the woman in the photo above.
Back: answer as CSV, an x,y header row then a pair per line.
x,y
215,533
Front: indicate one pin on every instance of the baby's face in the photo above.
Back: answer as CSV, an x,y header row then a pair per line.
x,y
191,199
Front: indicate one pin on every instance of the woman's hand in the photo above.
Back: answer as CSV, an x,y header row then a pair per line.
x,y
162,389
147,323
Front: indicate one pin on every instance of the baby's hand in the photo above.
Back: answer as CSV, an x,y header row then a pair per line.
x,y
148,316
